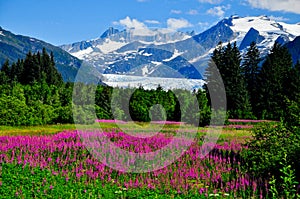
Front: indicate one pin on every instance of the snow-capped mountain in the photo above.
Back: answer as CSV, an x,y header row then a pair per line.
x,y
160,53
263,30
113,44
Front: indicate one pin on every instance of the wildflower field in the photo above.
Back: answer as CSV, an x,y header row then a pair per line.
x,y
58,165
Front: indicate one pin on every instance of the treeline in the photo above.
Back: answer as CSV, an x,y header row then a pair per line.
x,y
35,68
32,92
256,89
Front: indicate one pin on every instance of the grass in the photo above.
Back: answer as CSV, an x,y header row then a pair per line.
x,y
227,134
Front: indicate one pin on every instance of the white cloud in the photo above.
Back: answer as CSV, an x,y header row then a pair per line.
x,y
137,27
176,12
210,1
175,24
192,12
277,5
152,22
203,24
140,28
116,23
132,23
218,11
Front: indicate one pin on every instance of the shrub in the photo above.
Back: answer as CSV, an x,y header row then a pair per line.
x,y
272,143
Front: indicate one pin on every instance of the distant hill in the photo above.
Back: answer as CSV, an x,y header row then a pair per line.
x,y
14,47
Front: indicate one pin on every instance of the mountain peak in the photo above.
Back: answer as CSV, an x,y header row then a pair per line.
x,y
110,31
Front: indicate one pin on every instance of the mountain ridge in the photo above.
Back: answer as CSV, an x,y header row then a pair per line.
x,y
165,54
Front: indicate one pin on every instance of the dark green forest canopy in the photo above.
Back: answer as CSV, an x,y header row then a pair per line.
x,y
253,91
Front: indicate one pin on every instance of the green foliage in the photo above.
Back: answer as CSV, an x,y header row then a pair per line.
x,y
250,70
288,184
13,111
18,181
292,116
289,180
272,143
34,68
228,60
273,83
273,189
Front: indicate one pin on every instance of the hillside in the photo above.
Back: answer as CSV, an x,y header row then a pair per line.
x,y
14,47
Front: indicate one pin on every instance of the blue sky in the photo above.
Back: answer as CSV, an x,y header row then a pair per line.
x,y
68,21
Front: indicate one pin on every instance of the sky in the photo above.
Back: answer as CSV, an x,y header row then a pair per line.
x,y
68,21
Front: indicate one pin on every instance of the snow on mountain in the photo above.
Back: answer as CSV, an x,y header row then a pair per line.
x,y
161,53
108,46
114,46
175,54
80,54
268,29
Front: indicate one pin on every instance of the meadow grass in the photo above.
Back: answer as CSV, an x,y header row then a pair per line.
x,y
226,135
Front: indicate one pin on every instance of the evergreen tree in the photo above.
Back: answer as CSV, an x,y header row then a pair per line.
x,y
18,71
28,75
228,61
13,75
214,82
273,83
6,68
54,77
250,71
294,88
238,98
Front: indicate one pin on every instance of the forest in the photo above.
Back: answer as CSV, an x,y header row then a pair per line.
x,y
33,92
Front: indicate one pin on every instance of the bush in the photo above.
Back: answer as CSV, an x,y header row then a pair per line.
x,y
272,143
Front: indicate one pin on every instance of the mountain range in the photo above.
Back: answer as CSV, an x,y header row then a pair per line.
x,y
156,53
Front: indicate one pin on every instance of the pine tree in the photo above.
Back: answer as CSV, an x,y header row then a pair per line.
x,y
18,71
294,87
6,68
228,61
250,70
28,73
13,70
214,83
238,103
273,82
55,77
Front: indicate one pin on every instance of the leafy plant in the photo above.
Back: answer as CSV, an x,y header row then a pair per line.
x,y
273,154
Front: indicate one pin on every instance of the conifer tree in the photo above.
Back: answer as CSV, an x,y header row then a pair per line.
x,y
5,68
251,70
228,60
294,87
273,83
213,79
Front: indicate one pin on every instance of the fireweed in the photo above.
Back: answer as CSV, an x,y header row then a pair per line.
x,y
64,155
